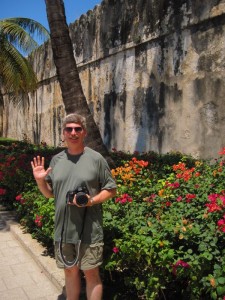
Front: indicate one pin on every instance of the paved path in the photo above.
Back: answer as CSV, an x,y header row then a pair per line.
x,y
25,272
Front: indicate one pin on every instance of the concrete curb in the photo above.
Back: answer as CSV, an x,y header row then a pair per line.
x,y
37,252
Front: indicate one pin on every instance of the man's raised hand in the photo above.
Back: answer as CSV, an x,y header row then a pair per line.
x,y
39,171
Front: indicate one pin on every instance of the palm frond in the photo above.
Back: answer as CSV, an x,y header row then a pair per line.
x,y
17,38
21,32
15,71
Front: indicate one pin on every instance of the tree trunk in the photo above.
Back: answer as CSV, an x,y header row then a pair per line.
x,y
68,76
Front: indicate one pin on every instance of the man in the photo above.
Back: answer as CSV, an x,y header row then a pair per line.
x,y
69,170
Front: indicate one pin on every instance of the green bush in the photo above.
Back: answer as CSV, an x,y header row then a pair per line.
x,y
36,215
164,231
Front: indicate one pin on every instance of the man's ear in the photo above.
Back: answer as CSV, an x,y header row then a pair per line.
x,y
62,137
85,132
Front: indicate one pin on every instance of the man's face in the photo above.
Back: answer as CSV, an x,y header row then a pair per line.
x,y
74,134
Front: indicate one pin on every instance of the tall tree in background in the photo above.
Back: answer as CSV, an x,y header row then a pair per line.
x,y
17,39
68,76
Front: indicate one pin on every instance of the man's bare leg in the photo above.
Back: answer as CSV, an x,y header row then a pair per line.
x,y
93,284
73,283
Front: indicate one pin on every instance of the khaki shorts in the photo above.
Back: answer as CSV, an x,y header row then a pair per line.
x,y
90,256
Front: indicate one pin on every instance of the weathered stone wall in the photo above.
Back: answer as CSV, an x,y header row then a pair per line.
x,y
152,72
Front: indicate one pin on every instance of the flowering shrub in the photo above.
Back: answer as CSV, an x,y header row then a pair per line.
x,y
15,167
18,189
167,241
164,231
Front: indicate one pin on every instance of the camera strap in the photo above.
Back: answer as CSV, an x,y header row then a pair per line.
x,y
70,264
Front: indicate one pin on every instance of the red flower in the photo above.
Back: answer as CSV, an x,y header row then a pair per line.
x,y
197,174
214,205
180,166
222,152
189,197
2,192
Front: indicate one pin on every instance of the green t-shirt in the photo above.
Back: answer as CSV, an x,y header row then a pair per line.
x,y
68,173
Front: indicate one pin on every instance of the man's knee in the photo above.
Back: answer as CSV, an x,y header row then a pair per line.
x,y
73,271
93,275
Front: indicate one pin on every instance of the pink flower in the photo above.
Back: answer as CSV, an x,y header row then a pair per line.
x,y
213,197
221,224
151,198
115,249
180,263
174,185
38,220
123,199
19,197
179,199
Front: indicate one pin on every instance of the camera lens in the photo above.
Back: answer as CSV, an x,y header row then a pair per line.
x,y
81,199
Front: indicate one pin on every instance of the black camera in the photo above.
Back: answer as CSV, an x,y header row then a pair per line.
x,y
81,195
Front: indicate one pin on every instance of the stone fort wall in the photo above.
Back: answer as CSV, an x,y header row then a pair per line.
x,y
152,71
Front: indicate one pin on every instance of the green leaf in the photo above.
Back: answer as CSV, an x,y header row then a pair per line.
x,y
220,290
221,280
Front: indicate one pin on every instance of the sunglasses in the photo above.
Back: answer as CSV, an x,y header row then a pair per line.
x,y
70,129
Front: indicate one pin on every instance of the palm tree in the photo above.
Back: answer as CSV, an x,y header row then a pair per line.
x,y
18,34
68,76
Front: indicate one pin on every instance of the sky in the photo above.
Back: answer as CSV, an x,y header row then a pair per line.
x,y
35,9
